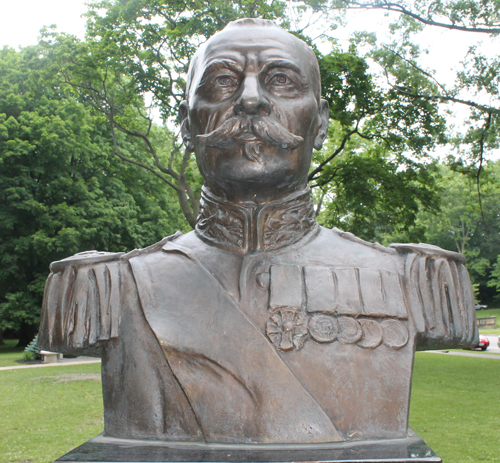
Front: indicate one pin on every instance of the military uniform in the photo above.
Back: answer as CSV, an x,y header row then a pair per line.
x,y
258,327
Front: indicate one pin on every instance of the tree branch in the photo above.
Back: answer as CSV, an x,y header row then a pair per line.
x,y
397,8
149,147
481,157
137,163
317,170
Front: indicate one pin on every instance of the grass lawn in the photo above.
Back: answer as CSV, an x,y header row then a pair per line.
x,y
48,411
9,353
454,406
477,351
45,412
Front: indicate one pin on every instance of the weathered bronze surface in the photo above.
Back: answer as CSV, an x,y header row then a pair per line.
x,y
411,449
259,327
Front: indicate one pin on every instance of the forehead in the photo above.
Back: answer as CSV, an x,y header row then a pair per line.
x,y
262,42
259,44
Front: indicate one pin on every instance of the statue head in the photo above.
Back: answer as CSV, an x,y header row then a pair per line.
x,y
253,111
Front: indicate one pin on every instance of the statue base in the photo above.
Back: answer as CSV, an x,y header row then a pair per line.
x,y
111,450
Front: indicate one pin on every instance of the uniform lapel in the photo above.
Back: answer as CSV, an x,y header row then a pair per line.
x,y
238,386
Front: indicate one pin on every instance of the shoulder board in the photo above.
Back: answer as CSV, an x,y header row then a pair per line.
x,y
85,258
355,239
428,250
153,247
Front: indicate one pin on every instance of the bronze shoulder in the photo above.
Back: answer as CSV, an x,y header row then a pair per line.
x,y
354,239
428,250
153,248
440,296
81,304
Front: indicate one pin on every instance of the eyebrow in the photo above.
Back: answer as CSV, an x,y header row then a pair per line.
x,y
284,63
219,64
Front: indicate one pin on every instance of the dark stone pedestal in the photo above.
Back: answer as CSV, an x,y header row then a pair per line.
x,y
108,450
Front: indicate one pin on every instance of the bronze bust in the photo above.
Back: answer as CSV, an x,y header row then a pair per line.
x,y
259,327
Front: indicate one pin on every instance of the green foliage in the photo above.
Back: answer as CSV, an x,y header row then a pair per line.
x,y
32,352
468,221
374,175
473,16
371,193
61,187
494,281
477,78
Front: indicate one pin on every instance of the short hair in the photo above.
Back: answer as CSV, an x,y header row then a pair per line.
x,y
257,22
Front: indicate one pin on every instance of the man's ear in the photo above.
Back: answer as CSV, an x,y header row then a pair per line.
x,y
185,130
324,116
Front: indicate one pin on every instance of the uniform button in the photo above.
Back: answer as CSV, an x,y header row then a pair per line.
x,y
263,281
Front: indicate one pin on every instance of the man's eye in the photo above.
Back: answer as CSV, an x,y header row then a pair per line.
x,y
279,79
226,81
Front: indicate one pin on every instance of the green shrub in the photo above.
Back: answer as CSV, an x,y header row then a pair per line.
x,y
32,352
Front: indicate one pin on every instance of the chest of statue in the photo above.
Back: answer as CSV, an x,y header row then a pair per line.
x,y
279,336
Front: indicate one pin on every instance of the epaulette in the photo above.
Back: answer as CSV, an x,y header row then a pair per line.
x,y
85,258
427,250
349,236
154,247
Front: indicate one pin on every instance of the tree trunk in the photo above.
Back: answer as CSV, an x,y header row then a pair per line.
x,y
190,214
26,334
1,338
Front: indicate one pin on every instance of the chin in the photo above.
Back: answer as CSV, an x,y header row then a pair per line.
x,y
272,163
240,179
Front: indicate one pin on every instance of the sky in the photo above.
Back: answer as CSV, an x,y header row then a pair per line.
x,y
21,21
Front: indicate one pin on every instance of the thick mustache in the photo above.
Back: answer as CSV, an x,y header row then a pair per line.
x,y
240,130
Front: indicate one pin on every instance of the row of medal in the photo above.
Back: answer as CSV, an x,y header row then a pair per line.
x,y
288,329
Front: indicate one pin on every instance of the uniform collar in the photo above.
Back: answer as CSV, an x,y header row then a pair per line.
x,y
248,226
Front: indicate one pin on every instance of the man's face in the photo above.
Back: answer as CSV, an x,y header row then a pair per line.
x,y
253,114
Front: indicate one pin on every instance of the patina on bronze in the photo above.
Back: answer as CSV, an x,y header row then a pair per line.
x,y
259,329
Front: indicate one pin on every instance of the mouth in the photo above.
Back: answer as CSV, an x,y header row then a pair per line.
x,y
248,136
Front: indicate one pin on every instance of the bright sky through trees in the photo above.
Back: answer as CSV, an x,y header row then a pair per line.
x,y
21,21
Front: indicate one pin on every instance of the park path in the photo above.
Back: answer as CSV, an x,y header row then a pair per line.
x,y
86,360
60,363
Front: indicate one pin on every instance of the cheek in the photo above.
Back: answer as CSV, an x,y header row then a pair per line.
x,y
300,116
204,116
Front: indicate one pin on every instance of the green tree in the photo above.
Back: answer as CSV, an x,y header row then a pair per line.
x,y
467,222
374,172
373,193
62,190
480,17
139,51
477,79
494,281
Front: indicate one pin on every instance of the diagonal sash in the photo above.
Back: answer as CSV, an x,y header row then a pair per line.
x,y
239,388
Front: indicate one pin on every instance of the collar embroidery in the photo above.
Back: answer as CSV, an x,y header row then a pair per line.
x,y
249,226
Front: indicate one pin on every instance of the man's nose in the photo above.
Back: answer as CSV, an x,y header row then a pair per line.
x,y
251,100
